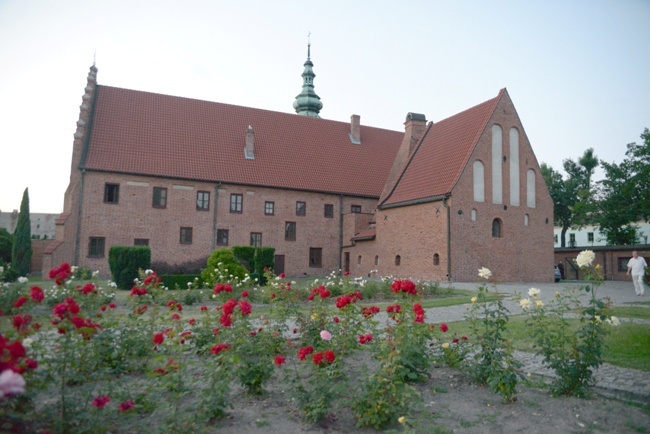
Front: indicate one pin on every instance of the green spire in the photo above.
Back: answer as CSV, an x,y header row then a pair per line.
x,y
307,103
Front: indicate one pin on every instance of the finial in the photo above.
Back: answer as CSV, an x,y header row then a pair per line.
x,y
94,57
308,45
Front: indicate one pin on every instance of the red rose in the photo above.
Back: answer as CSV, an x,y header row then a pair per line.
x,y
101,401
245,307
219,348
158,338
125,406
229,306
318,358
192,321
225,320
444,327
20,301
244,294
112,305
336,319
272,295
176,317
204,308
282,275
279,360
304,351
330,356
37,294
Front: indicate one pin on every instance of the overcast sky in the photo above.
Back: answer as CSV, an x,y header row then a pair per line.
x,y
578,71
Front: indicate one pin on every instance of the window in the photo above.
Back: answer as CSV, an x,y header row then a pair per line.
x,y
186,236
301,208
622,264
269,208
96,247
256,239
473,213
222,237
290,231
329,211
159,197
555,238
496,228
203,201
436,259
572,240
359,260
590,237
355,209
111,193
497,154
530,188
398,260
141,242
526,220
236,201
315,257
479,181
514,167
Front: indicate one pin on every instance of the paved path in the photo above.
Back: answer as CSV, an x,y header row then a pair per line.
x,y
612,381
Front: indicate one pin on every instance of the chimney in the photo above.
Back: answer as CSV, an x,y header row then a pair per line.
x,y
414,127
355,129
249,149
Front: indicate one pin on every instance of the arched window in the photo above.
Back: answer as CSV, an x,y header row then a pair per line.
x,y
473,214
530,188
497,153
479,181
514,167
376,260
436,259
398,259
359,260
496,228
526,220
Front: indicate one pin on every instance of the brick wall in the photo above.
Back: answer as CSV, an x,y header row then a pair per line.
x,y
613,260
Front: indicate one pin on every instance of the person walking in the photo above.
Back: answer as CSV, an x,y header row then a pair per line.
x,y
636,266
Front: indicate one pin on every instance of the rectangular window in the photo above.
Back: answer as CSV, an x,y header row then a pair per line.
x,y
355,209
159,197
96,247
256,239
236,201
222,237
290,231
141,242
203,201
555,238
329,210
572,240
622,264
269,208
315,257
301,208
111,193
186,236
590,237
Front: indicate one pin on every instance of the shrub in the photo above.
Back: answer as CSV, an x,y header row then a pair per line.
x,y
126,261
224,262
255,259
180,281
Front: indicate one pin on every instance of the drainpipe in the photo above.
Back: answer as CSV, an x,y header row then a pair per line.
x,y
340,232
214,217
80,204
444,203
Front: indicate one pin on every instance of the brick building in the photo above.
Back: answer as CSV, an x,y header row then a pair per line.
x,y
186,176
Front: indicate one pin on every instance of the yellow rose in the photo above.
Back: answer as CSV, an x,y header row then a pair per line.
x,y
445,345
402,420
474,299
539,303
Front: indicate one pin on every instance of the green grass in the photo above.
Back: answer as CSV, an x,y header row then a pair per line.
x,y
631,312
628,345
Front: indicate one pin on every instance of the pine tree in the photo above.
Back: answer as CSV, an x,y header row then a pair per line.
x,y
21,253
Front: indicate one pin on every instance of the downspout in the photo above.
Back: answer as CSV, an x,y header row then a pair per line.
x,y
214,217
444,203
340,232
80,205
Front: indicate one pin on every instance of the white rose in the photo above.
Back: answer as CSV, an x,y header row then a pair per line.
x,y
485,273
533,292
585,258
22,279
524,303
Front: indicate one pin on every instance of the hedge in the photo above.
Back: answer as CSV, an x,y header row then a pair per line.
x,y
125,263
171,281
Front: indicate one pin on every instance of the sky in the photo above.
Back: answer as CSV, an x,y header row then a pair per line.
x,y
576,70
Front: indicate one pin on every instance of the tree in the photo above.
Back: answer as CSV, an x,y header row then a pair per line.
x,y
6,244
21,252
572,197
623,194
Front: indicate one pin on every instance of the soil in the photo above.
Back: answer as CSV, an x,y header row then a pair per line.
x,y
452,404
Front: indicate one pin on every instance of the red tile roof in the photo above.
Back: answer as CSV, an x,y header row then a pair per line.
x,y
52,246
441,155
159,135
366,234
60,220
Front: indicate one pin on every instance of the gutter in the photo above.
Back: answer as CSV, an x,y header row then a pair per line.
x,y
340,232
79,208
214,217
444,203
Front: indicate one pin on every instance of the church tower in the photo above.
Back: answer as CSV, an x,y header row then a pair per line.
x,y
307,103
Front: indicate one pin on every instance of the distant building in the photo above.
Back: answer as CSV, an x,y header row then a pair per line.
x,y
590,236
185,177
42,225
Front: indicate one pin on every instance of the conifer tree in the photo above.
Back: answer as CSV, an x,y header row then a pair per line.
x,y
21,253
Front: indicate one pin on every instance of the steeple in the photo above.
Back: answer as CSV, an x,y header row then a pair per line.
x,y
307,103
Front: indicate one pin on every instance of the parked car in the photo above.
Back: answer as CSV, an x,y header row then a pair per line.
x,y
558,275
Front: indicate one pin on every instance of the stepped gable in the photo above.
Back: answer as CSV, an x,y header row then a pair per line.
x,y
144,133
442,154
